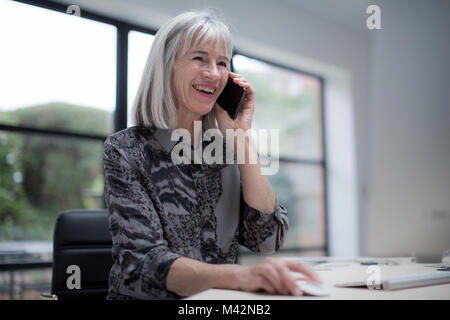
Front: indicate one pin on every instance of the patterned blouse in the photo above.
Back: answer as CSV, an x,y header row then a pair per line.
x,y
159,211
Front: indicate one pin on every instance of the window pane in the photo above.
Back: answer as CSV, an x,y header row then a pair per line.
x,y
299,188
58,71
139,45
41,176
288,101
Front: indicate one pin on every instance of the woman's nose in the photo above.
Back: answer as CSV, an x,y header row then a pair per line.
x,y
211,72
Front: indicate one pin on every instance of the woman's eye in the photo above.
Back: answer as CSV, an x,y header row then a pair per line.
x,y
198,58
223,64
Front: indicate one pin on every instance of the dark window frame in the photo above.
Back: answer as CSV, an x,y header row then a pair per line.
x,y
120,113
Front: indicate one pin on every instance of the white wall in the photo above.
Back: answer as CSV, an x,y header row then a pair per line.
x,y
409,169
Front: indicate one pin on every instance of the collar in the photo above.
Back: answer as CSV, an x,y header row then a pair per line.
x,y
163,137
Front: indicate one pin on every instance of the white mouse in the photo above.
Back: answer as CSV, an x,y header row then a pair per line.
x,y
313,288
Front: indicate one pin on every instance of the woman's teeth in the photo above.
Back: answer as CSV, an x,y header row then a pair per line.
x,y
204,89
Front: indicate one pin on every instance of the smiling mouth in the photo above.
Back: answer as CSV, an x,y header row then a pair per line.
x,y
204,89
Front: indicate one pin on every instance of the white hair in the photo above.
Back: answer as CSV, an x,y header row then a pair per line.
x,y
154,103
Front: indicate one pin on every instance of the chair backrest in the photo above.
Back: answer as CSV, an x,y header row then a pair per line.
x,y
81,248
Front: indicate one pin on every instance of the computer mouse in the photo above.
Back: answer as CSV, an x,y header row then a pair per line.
x,y
313,288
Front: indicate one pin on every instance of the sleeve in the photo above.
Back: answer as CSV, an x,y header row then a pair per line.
x,y
262,232
140,252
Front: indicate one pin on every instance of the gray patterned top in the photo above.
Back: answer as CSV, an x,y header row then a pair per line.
x,y
159,211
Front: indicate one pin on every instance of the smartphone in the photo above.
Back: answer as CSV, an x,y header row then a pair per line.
x,y
231,98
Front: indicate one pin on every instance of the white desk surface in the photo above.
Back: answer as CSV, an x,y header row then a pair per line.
x,y
345,270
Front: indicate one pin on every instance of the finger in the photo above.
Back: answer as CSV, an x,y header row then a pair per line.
x,y
285,288
266,285
248,86
307,271
241,82
272,275
239,78
290,282
285,285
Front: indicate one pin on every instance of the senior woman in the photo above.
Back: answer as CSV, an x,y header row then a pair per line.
x,y
176,227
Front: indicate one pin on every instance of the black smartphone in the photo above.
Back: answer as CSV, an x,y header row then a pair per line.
x,y
231,98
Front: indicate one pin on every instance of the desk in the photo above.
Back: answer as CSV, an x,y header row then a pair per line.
x,y
345,270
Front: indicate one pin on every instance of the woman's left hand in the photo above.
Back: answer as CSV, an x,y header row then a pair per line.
x,y
244,119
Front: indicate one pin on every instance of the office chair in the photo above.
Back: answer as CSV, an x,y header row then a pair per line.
x,y
81,248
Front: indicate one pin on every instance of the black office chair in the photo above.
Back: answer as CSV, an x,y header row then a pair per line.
x,y
81,239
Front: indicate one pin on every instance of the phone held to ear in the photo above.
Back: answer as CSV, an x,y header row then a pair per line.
x,y
231,98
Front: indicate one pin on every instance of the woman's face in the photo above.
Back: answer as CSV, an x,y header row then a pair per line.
x,y
198,78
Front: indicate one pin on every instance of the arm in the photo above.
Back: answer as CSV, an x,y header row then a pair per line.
x,y
258,196
263,222
140,252
255,187
187,277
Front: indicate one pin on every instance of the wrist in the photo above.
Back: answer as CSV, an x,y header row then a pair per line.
x,y
229,276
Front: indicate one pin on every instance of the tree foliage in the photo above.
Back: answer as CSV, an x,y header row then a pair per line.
x,y
42,175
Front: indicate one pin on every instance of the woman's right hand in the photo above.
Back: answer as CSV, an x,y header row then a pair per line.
x,y
274,276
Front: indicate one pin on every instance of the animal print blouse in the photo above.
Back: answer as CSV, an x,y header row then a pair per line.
x,y
159,211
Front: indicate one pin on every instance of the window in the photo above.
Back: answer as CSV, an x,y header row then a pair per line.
x,y
51,75
57,100
139,45
290,101
59,79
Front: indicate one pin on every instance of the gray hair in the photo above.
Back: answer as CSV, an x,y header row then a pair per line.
x,y
154,103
